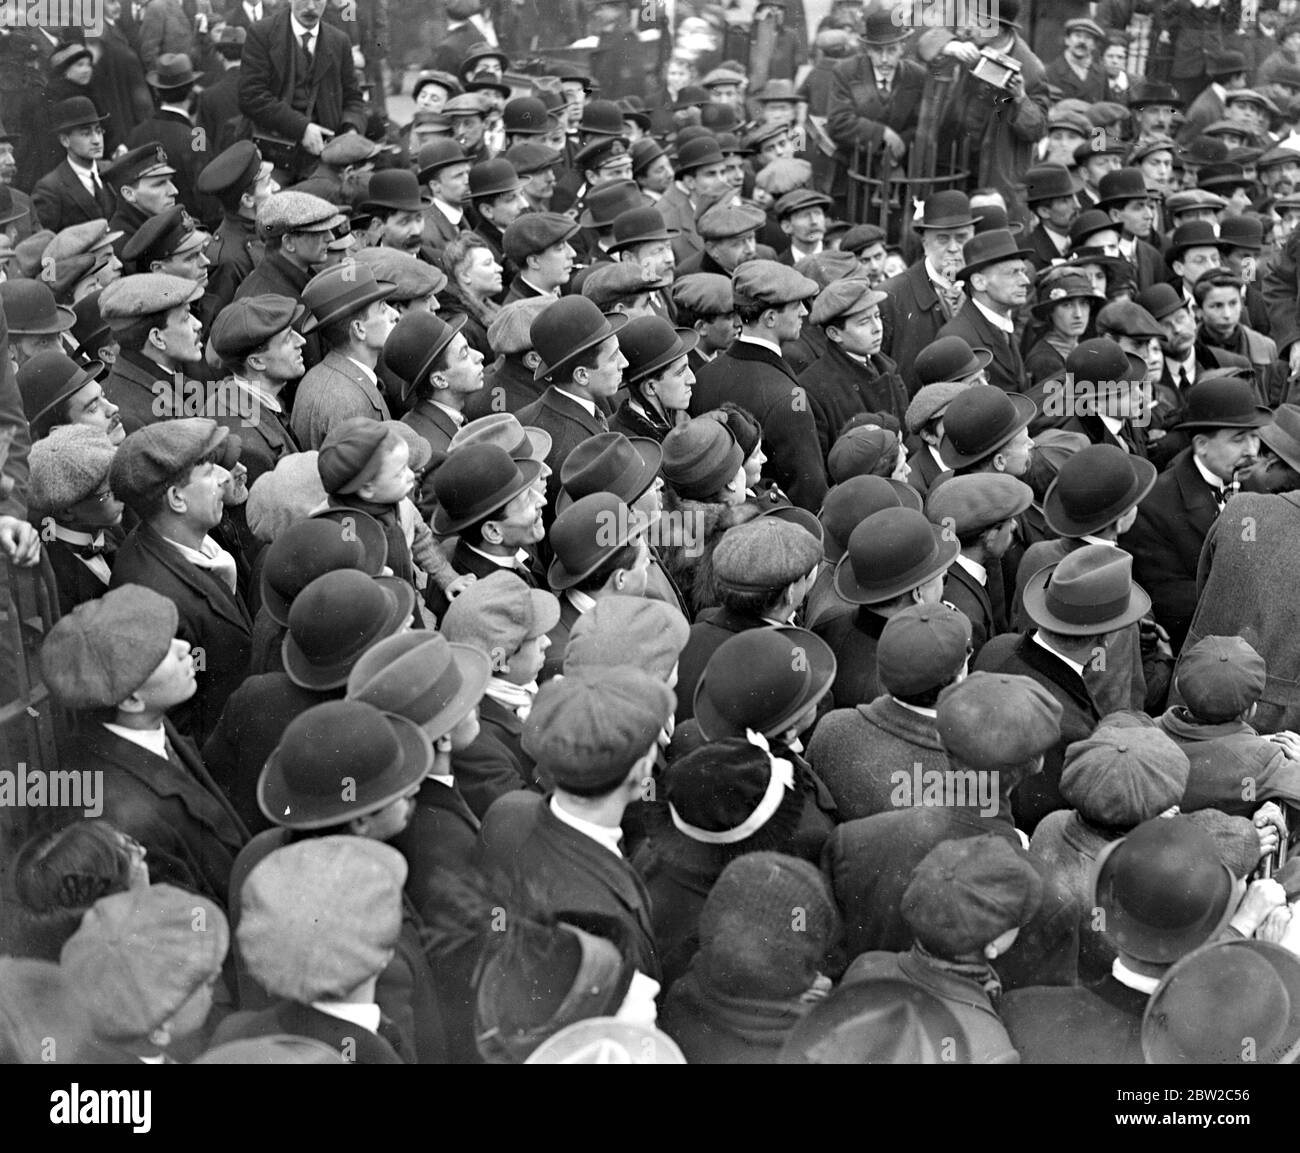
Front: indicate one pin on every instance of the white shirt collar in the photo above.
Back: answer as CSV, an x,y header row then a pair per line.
x,y
931,713
1112,423
1127,246
299,29
253,10
538,287
1097,540
1188,365
259,393
977,570
450,211
998,321
601,834
211,556
800,253
580,600
1209,477
650,193
934,452
448,779
97,564
151,740
1125,976
457,417
520,557
589,405
511,695
367,1015
1042,644
370,372
762,341
938,277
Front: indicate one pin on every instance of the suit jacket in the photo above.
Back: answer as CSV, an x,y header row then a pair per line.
x,y
331,392
964,592
442,834
164,28
1148,264
853,638
569,424
218,108
756,378
133,387
508,386
267,77
858,113
1172,522
465,561
913,317
176,811
1022,656
211,618
559,635
839,388
437,428
266,439
1007,369
521,835
358,1045
1091,88
1045,252
1132,438
438,230
61,200
74,581
678,212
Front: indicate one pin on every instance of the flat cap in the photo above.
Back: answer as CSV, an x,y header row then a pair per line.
x,y
68,465
1219,678
151,456
233,170
535,232
498,613
767,282
997,720
765,554
414,278
1128,319
169,233
650,633
861,237
929,402
510,332
125,301
968,504
90,236
798,200
285,212
350,148
782,176
706,294
968,892
611,281
1120,777
466,104
722,76
828,266
844,298
922,647
106,648
587,730
249,322
138,163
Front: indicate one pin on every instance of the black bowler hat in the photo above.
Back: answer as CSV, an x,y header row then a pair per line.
x,y
980,420
947,210
1152,92
585,535
604,204
493,178
75,112
640,226
650,344
988,248
698,153
474,482
1223,403
1226,174
526,116
310,548
892,552
1121,186
416,342
437,155
397,190
610,462
1282,435
949,358
1094,487
601,118
1193,234
1088,222
1049,182
50,377
567,329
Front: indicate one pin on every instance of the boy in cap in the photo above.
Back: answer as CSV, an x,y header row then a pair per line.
x,y
120,660
159,345
241,182
770,301
538,245
144,964
320,922
596,736
503,617
260,348
169,476
854,376
924,423
705,304
994,730
922,650
966,904
79,513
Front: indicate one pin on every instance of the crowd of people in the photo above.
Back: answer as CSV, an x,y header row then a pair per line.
x,y
581,577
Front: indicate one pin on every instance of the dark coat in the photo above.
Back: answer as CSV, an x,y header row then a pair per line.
x,y
265,441
464,560
1172,522
858,112
712,627
840,388
1132,438
964,592
508,386
521,835
913,317
360,1045
266,80
853,638
131,386
1022,656
854,751
234,251
250,727
1097,1026
569,425
1045,253
211,618
1007,369
554,660
495,764
177,812
61,200
1091,88
757,379
75,582
187,152
802,353
437,428
714,1028
217,108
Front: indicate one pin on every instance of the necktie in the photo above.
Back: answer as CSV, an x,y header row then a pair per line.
x,y
306,44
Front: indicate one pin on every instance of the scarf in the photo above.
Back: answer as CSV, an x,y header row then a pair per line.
x,y
517,698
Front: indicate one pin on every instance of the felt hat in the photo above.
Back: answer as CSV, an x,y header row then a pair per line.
x,y
341,291
652,631
310,548
416,342
701,456
946,210
1223,403
892,552
1095,487
985,249
590,531
609,462
497,613
851,501
949,358
568,328
1090,592
476,481
1282,434
980,420
504,430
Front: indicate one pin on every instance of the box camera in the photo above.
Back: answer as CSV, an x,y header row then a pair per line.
x,y
996,68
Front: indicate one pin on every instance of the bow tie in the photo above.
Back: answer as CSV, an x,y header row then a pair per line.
x,y
89,551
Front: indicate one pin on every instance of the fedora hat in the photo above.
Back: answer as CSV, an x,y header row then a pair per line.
x,y
980,420
1121,186
49,378
343,290
1049,182
75,112
1068,285
947,210
474,481
585,535
605,204
30,310
174,70
651,344
610,462
1223,403
1223,992
892,552
1282,434
1091,591
988,248
521,442
397,189
762,679
416,342
1164,889
339,760
567,329
310,548
336,618
1095,486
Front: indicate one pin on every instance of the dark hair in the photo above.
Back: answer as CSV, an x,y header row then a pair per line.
x,y
751,602
136,335
338,333
1222,279
149,504
179,94
927,698
57,875
587,359
624,558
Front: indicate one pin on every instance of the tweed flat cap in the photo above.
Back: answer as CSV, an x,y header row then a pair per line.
x,y
1219,678
722,221
969,504
929,402
349,148
498,613
138,956
765,554
414,279
535,232
529,157
995,720
782,176
285,212
285,495
610,282
651,632
105,649
125,301
586,731
68,465
510,333
799,200
321,916
842,299
1120,777
768,282
151,456
707,294
90,236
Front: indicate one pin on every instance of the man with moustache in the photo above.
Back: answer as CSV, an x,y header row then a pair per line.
x,y
535,164
1049,192
397,210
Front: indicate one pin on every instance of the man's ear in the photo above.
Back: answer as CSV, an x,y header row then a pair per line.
x,y
786,226
835,334
491,532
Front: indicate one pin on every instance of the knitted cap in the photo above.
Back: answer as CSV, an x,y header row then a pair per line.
x,y
67,466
